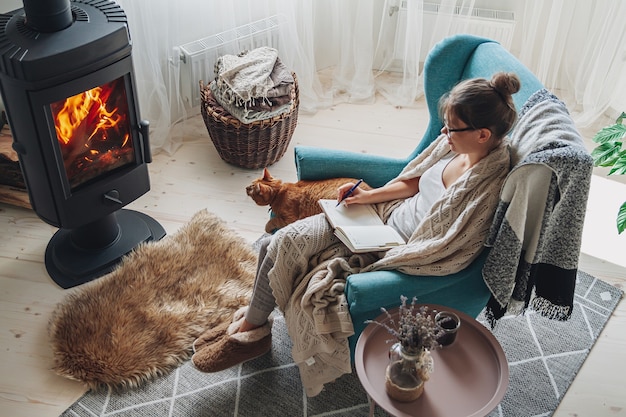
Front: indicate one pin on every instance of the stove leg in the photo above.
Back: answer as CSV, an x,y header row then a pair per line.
x,y
76,256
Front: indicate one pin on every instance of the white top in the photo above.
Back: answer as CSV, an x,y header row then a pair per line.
x,y
410,213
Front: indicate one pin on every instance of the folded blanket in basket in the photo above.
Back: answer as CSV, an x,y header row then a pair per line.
x,y
253,85
259,110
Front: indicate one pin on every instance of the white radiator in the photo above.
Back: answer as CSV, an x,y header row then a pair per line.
x,y
489,23
198,57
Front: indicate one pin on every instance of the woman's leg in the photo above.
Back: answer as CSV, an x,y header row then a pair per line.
x,y
254,315
309,235
262,302
249,336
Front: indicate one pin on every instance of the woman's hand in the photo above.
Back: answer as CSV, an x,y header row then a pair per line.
x,y
388,192
358,196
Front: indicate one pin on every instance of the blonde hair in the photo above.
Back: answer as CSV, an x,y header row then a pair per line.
x,y
482,103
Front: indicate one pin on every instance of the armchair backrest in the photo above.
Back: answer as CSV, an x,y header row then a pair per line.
x,y
460,57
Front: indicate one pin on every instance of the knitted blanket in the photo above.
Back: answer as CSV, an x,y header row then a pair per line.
x,y
311,265
257,111
254,85
537,230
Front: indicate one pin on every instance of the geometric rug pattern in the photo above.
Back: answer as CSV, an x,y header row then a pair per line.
x,y
544,356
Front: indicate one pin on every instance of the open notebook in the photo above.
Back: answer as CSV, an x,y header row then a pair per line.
x,y
359,227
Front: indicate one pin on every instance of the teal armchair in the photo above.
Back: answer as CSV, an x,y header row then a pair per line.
x,y
454,59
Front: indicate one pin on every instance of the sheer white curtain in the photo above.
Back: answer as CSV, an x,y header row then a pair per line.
x,y
578,48
343,37
158,27
348,50
407,32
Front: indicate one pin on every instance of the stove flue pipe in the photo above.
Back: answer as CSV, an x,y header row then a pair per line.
x,y
48,15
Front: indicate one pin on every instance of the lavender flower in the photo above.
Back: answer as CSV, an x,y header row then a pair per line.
x,y
416,329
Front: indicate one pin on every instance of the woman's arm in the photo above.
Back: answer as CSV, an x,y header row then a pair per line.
x,y
388,192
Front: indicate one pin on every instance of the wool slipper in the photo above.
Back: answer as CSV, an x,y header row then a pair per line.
x,y
233,348
217,332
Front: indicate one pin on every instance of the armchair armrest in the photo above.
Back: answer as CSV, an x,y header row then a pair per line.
x,y
314,163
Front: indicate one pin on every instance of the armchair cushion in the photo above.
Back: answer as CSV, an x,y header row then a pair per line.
x,y
317,163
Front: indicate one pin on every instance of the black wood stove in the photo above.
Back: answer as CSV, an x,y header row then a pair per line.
x,y
67,82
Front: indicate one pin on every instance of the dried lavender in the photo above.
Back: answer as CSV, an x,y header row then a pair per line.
x,y
416,329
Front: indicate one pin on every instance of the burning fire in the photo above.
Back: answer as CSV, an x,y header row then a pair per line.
x,y
88,108
93,131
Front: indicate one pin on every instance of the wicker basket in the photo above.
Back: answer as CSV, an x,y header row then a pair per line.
x,y
254,145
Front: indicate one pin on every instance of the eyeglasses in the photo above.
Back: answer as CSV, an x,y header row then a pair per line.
x,y
450,131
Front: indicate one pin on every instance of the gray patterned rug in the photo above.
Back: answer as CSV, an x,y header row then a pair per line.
x,y
540,373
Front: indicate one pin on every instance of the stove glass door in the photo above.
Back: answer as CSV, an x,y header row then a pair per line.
x,y
94,132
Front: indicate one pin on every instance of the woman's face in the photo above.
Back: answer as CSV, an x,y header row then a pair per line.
x,y
461,137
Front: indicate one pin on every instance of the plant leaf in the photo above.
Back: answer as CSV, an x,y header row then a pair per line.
x,y
620,118
606,154
619,166
610,133
621,218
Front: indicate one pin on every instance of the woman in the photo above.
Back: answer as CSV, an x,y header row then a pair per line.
x,y
442,203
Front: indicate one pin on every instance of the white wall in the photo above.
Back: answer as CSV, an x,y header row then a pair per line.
x,y
10,5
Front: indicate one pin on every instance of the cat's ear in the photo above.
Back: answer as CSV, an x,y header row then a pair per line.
x,y
266,174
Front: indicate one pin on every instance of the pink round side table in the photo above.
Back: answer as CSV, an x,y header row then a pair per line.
x,y
470,376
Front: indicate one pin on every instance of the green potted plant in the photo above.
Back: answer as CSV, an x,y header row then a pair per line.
x,y
611,153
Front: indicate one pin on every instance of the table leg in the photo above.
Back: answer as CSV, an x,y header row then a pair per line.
x,y
372,405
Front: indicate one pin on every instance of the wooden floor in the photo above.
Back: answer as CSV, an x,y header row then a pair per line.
x,y
195,178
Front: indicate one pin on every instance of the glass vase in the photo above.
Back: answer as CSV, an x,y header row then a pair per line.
x,y
407,372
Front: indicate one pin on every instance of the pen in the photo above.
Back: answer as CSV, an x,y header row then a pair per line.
x,y
350,191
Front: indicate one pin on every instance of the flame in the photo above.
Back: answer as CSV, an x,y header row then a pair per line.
x,y
88,107
93,132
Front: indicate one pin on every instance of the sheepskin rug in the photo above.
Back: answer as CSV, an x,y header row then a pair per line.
x,y
139,321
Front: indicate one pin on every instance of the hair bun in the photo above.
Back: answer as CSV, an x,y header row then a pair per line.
x,y
506,83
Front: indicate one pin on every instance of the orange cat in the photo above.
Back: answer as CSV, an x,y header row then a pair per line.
x,y
293,201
